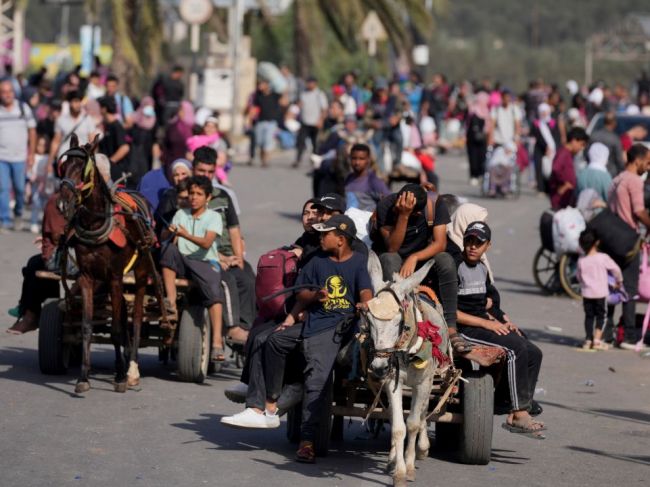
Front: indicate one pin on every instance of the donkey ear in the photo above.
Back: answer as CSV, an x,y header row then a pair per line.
x,y
94,144
376,274
403,287
74,140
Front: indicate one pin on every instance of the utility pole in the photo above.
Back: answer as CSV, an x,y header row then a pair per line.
x,y
18,37
236,23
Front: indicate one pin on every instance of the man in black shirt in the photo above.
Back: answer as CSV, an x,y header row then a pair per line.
x,y
113,144
412,229
269,108
483,323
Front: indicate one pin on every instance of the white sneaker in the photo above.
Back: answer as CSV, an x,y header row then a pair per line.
x,y
473,182
249,418
237,393
632,346
35,228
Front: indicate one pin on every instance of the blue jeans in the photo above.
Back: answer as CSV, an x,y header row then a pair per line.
x,y
11,173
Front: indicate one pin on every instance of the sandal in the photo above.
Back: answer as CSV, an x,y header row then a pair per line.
x,y
217,354
459,344
600,345
305,453
531,428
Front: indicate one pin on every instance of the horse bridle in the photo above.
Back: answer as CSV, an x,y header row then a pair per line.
x,y
82,190
403,328
86,184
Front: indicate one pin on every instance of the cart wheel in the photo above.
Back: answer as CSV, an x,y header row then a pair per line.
x,y
294,419
322,440
515,183
193,344
475,440
53,354
545,271
569,275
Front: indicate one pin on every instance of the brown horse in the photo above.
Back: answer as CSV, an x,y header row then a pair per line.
x,y
107,237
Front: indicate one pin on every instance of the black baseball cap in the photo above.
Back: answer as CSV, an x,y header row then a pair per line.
x,y
342,223
331,202
479,230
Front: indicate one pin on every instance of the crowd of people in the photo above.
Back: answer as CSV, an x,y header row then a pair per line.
x,y
177,157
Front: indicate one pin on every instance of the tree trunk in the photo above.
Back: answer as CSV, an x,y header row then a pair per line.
x,y
126,62
301,43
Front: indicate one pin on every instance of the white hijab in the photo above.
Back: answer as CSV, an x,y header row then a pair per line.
x,y
598,156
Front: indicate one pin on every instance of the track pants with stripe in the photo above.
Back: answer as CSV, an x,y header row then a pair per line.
x,y
524,360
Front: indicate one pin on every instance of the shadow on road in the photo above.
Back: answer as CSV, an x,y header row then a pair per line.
x,y
631,416
22,366
351,458
641,460
555,339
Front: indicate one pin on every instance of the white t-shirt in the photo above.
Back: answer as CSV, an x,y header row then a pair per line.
x,y
504,123
84,126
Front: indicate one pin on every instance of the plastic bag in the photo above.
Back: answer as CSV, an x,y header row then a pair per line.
x,y
567,226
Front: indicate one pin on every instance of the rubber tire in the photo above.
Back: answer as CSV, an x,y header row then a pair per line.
x,y
193,344
322,440
294,420
565,262
53,355
475,441
538,281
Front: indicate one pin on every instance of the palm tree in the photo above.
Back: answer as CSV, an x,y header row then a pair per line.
x,y
405,21
137,41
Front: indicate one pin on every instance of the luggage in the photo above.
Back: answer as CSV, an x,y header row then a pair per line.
x,y
568,224
546,230
617,238
276,270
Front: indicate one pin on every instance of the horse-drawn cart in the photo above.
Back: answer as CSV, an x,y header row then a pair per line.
x,y
60,338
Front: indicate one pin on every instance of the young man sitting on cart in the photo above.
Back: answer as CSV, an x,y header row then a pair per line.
x,y
412,229
193,254
341,281
481,322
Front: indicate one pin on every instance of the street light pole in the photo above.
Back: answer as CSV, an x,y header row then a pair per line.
x,y
237,27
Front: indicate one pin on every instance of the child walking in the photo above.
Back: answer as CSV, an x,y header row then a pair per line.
x,y
593,269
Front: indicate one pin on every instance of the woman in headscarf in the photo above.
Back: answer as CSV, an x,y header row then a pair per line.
x,y
477,130
595,175
143,130
177,131
547,141
179,170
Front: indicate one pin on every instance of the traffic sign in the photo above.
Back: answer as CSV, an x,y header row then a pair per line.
x,y
195,12
372,30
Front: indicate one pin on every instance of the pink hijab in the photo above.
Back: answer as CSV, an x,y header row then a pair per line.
x,y
481,105
143,121
186,113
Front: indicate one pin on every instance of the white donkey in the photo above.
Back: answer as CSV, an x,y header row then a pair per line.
x,y
391,317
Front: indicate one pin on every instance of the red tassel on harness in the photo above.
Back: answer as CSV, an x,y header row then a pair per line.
x,y
429,331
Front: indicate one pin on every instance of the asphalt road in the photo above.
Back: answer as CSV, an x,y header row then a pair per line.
x,y
167,433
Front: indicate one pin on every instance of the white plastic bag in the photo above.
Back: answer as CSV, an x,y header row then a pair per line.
x,y
361,220
568,224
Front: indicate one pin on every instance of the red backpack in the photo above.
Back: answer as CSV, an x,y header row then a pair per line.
x,y
276,270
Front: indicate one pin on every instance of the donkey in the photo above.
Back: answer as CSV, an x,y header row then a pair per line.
x,y
107,237
389,315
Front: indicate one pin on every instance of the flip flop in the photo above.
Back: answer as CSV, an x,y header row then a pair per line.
x,y
525,430
218,354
